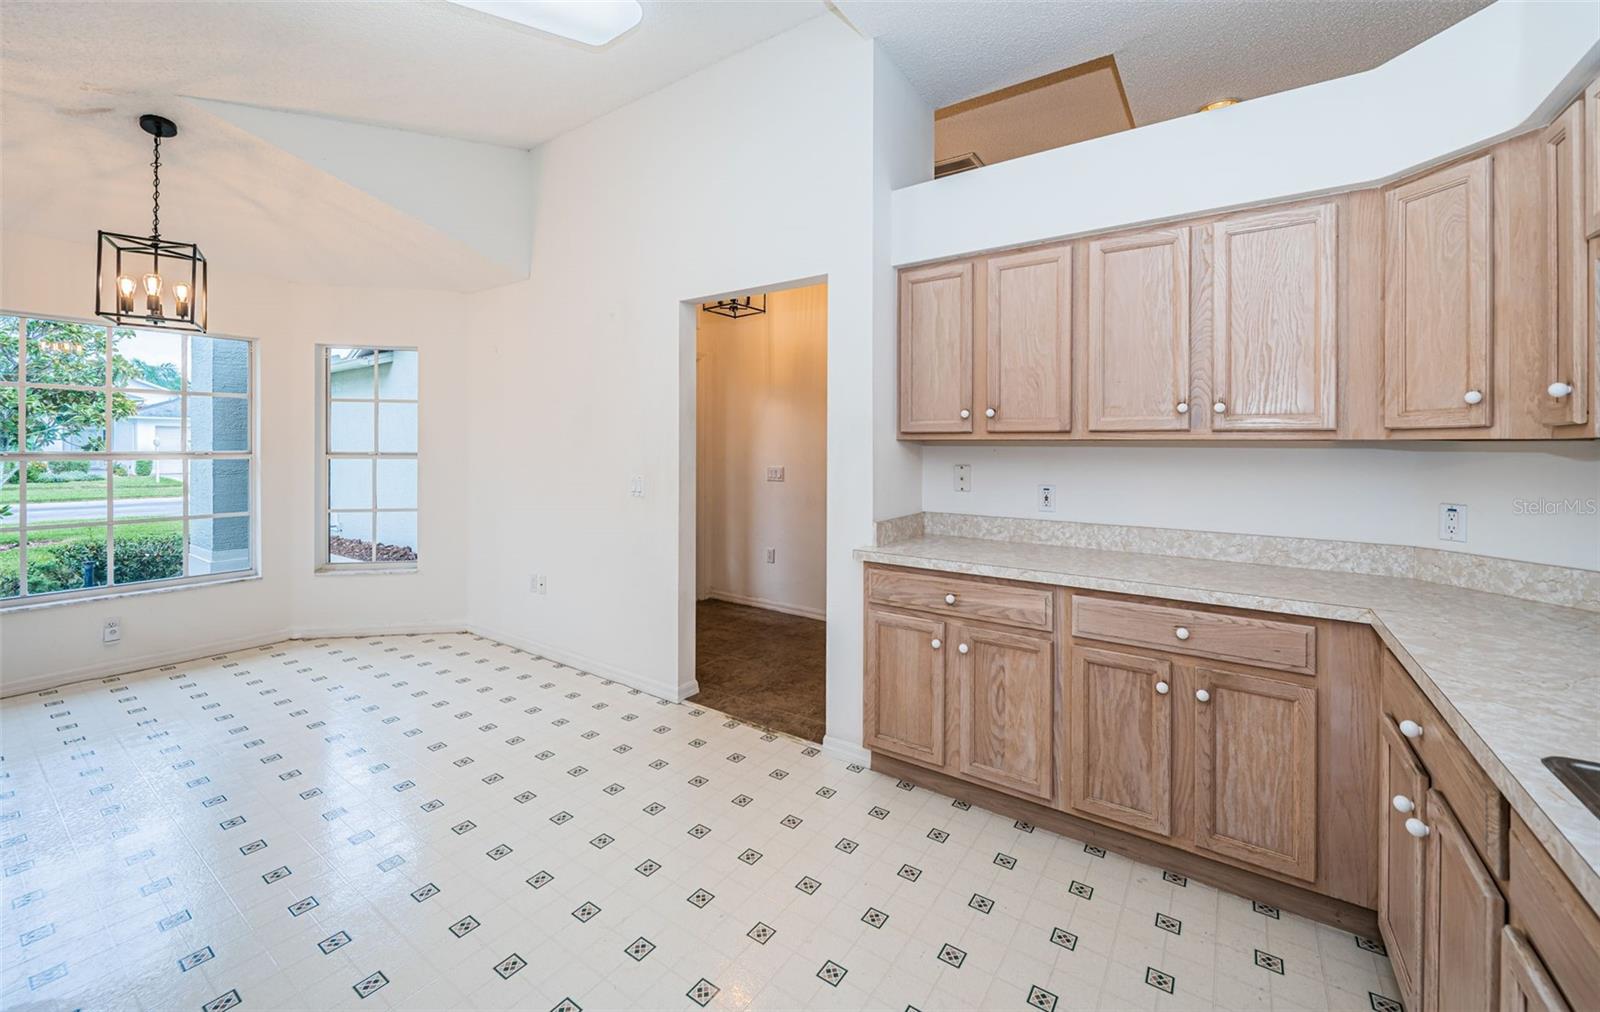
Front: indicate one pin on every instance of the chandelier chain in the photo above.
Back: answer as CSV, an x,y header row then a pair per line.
x,y
155,210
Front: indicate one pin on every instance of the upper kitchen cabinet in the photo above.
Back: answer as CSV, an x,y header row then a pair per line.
x,y
1591,158
1029,348
1565,328
1274,343
1438,299
936,348
1138,335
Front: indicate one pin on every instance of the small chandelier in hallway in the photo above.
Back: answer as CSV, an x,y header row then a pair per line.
x,y
129,268
736,308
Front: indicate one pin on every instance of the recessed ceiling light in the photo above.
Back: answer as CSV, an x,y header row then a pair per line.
x,y
1221,103
591,22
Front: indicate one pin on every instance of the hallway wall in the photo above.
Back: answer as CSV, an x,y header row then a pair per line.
x,y
762,401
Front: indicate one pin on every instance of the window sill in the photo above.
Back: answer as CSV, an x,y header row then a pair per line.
x,y
365,570
19,605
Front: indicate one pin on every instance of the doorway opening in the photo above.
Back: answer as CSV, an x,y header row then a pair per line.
x,y
761,375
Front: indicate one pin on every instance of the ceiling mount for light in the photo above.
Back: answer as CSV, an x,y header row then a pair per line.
x,y
1221,103
591,22
735,309
129,256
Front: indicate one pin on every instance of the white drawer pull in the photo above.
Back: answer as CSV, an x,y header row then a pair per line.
x,y
1161,688
988,413
1411,729
965,413
1202,695
949,599
1559,389
1417,828
1473,396
1219,407
1181,633
1403,804
962,647
936,644
1183,407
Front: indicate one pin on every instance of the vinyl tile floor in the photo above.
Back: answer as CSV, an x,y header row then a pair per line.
x,y
431,822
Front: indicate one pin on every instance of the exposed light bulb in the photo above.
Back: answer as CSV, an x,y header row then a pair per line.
x,y
125,289
152,294
180,299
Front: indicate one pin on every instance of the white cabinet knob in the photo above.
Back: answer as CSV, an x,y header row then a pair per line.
x,y
1411,729
1417,828
988,412
1161,688
1473,396
962,647
1181,633
1202,695
1403,804
937,643
1219,407
1559,389
1183,407
965,413
949,599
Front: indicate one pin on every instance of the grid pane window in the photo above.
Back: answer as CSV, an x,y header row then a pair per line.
x,y
369,456
125,457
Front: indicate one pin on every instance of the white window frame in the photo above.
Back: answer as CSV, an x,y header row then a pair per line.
x,y
322,565
110,457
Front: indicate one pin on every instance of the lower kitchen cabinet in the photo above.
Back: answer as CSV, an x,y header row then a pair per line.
x,y
1402,861
1525,985
1118,766
1465,914
1255,770
905,686
1006,681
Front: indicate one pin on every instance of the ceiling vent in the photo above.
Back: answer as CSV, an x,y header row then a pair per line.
x,y
959,163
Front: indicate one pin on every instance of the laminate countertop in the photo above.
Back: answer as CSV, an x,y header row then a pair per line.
x,y
1516,680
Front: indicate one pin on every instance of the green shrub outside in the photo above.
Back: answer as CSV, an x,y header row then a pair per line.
x,y
149,552
143,468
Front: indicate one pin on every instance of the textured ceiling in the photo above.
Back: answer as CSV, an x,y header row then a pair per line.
x,y
1173,57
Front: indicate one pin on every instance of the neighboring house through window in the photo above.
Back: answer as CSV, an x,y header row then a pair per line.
x,y
126,458
367,476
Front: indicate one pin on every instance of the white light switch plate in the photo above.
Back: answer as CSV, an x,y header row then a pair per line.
x,y
775,473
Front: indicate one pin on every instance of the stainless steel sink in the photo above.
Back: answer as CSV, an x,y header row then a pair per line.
x,y
1581,777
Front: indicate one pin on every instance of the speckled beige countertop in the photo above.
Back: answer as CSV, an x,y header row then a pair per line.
x,y
1517,680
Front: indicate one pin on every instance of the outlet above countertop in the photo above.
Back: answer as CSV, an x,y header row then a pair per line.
x,y
1515,679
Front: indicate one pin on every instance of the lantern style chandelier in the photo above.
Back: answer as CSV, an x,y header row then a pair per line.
x,y
148,280
736,309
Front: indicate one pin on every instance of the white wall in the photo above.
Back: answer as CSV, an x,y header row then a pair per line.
x,y
1382,494
762,402
1507,67
55,643
589,365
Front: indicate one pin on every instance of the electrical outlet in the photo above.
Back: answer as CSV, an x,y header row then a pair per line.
x,y
1047,498
963,477
636,486
1452,522
772,555
775,473
536,584
112,633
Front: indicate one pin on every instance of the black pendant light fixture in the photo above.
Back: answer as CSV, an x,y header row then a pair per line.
x,y
736,308
148,280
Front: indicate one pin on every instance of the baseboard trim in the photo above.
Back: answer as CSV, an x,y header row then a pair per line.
x,y
129,665
845,750
821,615
632,680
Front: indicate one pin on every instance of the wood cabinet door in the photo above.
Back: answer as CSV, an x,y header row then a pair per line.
x,y
1437,300
1119,761
904,713
1138,340
1591,158
1465,915
1255,770
1029,362
1005,681
1274,343
1402,860
1525,985
1565,398
936,348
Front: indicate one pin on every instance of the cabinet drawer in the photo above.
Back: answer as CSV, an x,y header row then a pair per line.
x,y
1287,646
1029,607
1455,774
